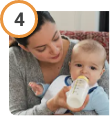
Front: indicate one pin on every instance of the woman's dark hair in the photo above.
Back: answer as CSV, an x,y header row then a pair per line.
x,y
43,16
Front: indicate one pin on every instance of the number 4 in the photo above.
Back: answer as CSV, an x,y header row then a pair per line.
x,y
21,19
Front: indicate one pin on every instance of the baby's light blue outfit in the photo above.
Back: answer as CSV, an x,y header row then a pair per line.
x,y
98,100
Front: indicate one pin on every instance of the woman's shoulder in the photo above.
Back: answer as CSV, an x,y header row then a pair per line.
x,y
18,55
15,56
14,50
72,41
15,53
18,52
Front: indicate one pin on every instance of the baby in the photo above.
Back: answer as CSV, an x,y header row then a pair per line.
x,y
87,59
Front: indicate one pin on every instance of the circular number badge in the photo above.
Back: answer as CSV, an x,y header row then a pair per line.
x,y
19,18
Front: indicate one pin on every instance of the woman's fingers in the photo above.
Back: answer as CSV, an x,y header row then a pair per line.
x,y
66,88
62,95
59,100
85,102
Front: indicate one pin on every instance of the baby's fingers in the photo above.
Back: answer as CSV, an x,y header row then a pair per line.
x,y
34,87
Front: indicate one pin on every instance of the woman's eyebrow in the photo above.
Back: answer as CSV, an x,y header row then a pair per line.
x,y
45,44
54,34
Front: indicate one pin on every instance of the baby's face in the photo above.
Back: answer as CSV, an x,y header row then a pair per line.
x,y
86,64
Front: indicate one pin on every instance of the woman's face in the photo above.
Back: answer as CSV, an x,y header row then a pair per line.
x,y
46,44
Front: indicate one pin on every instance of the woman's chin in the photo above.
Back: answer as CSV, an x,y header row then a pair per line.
x,y
56,59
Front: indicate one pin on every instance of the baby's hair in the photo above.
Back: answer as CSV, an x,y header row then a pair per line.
x,y
90,45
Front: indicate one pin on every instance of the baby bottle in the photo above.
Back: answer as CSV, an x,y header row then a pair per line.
x,y
78,92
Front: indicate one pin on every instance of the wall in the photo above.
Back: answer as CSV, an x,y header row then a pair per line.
x,y
76,20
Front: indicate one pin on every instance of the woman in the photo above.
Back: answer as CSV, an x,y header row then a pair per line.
x,y
40,57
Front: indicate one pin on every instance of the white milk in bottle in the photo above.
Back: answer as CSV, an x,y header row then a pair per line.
x,y
78,92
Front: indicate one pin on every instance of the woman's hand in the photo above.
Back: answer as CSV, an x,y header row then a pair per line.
x,y
59,101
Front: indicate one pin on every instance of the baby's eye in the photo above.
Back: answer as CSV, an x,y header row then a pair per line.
x,y
93,68
78,65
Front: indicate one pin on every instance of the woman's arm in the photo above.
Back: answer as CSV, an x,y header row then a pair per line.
x,y
17,91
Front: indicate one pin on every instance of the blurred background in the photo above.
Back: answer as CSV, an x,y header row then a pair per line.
x,y
82,20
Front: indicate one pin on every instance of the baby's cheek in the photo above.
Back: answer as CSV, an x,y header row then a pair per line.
x,y
92,81
74,76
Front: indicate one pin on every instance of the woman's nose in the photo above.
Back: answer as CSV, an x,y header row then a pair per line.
x,y
54,49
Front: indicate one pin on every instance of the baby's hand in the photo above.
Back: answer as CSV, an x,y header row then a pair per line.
x,y
36,88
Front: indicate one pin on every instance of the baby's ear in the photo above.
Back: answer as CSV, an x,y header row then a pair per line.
x,y
103,70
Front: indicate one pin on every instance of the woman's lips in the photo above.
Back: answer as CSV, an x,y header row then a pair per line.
x,y
56,56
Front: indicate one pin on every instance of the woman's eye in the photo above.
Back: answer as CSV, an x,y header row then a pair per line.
x,y
93,68
41,50
56,39
78,65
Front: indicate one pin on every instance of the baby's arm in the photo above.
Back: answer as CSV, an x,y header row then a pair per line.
x,y
100,102
39,88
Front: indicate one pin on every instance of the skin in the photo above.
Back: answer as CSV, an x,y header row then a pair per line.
x,y
36,88
86,64
50,49
47,48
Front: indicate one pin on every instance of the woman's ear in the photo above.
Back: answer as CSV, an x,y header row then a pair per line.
x,y
11,40
23,47
103,70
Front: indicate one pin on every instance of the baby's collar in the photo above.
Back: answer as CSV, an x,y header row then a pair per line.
x,y
96,84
